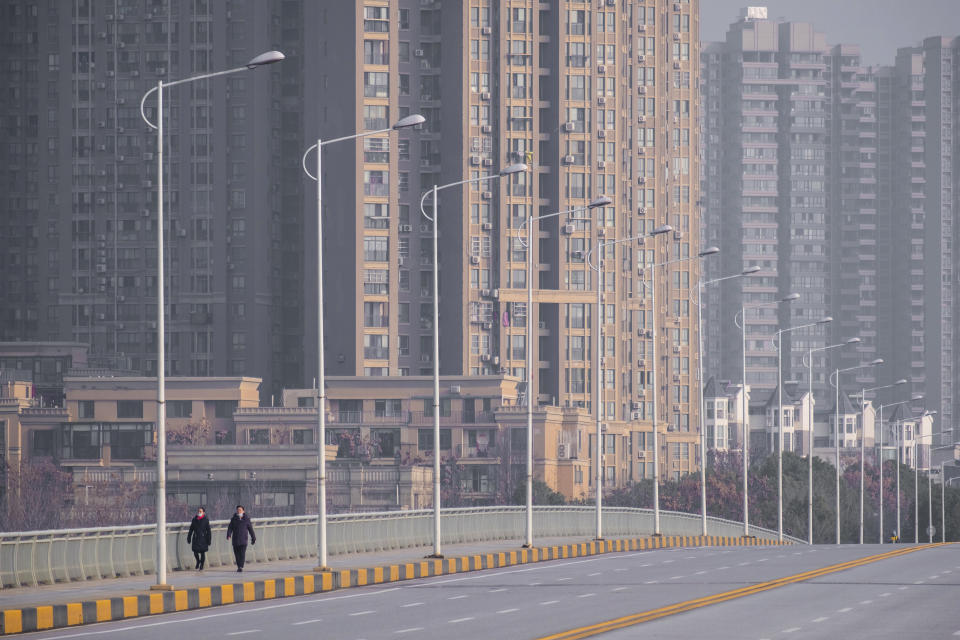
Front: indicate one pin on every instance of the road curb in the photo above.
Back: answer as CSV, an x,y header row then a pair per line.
x,y
39,618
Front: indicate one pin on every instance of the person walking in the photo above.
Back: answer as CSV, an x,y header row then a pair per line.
x,y
240,530
199,537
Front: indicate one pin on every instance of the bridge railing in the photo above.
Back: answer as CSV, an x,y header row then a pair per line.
x,y
47,557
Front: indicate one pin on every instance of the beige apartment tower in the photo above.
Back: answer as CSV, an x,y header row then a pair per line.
x,y
599,98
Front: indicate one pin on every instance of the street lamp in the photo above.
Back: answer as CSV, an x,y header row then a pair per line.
x,y
599,361
743,398
836,428
602,201
913,398
863,438
504,173
263,59
709,251
916,478
703,437
403,123
779,341
810,432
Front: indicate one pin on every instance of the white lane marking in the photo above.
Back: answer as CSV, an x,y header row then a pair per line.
x,y
505,589
722,568
918,582
586,595
410,630
699,573
675,577
644,565
765,559
363,613
245,631
550,602
885,595
459,620
621,588
563,579
507,610
845,609
690,557
934,577
535,584
413,604
743,564
866,601
904,588
956,633
620,569
597,573
667,561
821,618
791,630
460,597
307,621
650,582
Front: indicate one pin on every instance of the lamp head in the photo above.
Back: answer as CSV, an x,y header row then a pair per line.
x,y
825,320
409,121
602,201
899,382
790,297
661,229
876,362
513,168
915,397
852,341
750,270
709,251
265,58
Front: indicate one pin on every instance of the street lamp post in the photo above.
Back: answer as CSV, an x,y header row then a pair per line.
x,y
863,439
703,448
602,201
709,251
599,361
779,340
810,432
321,399
743,398
269,57
836,430
505,172
880,458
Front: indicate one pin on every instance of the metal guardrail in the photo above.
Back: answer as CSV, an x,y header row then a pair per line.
x,y
33,558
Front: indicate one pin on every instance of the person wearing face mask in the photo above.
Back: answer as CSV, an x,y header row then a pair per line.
x,y
199,537
240,530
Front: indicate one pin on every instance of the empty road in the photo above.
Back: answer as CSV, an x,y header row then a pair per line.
x,y
741,592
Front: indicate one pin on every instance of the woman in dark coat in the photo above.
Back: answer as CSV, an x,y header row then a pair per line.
x,y
199,537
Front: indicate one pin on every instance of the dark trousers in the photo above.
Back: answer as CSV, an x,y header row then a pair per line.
x,y
240,554
201,557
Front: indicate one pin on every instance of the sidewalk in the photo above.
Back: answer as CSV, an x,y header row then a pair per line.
x,y
77,603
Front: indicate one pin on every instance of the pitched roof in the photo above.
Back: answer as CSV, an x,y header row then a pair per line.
x,y
710,390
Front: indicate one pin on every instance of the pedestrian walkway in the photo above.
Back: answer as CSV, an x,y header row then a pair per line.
x,y
50,606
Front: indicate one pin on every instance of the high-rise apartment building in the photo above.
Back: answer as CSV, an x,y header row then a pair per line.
x,y
78,234
920,94
766,131
597,100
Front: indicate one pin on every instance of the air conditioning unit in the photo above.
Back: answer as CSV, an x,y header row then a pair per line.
x,y
145,213
148,155
541,325
454,388
642,90
635,405
401,260
601,232
678,235
641,364
121,101
424,228
487,195
101,201
676,37
110,74
635,415
425,162
485,95
601,100
676,407
642,28
601,68
485,293
568,126
569,228
676,6
676,65
418,53
485,357
495,293
495,359
676,377
676,349
486,128
101,85
121,299
641,211
101,147
567,159
405,228
152,325
101,316
487,326
641,180
475,160
487,226
182,233
474,259
577,255
101,268
641,58
135,73
601,164
561,451
601,133
486,31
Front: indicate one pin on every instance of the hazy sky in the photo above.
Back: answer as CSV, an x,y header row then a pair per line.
x,y
880,27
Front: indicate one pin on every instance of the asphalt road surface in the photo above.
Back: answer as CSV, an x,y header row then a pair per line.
x,y
711,593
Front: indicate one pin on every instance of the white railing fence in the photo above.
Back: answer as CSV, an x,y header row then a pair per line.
x,y
47,557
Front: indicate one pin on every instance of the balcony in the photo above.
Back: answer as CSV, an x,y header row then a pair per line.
x,y
425,418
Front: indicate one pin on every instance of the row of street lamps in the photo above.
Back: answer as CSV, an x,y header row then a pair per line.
x,y
271,57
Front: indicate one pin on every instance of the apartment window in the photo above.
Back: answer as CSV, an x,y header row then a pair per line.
x,y
403,345
179,408
375,116
224,408
376,52
376,183
129,408
376,19
43,443
577,87
376,347
376,84
376,215
85,409
578,23
376,282
376,314
576,380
